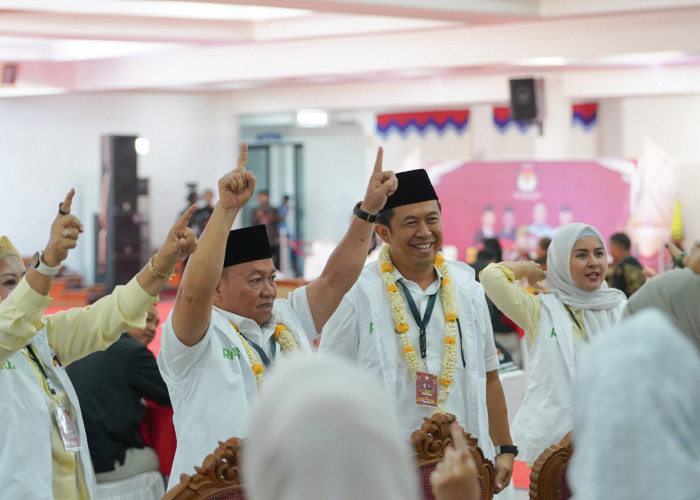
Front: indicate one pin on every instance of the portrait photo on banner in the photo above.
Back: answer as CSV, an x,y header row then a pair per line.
x,y
521,202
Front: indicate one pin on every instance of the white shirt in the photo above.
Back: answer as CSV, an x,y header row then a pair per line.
x,y
355,332
212,385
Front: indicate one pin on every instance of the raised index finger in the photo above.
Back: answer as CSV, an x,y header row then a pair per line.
x,y
458,439
65,206
181,223
380,158
243,157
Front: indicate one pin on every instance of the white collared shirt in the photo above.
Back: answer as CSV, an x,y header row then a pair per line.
x,y
211,384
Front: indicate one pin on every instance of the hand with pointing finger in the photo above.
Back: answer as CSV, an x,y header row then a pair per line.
x,y
456,477
180,242
381,185
64,233
237,187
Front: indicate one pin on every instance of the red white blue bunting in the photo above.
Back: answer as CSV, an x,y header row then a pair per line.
x,y
584,115
423,121
502,120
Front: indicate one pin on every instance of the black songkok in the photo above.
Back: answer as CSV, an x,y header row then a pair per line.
x,y
247,244
414,187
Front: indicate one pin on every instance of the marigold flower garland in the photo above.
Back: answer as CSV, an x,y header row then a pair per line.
x,y
398,312
283,336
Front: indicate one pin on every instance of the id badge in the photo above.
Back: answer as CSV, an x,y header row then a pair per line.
x,y
67,429
426,389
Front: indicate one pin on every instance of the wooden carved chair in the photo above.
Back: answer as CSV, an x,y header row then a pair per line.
x,y
429,443
219,477
548,478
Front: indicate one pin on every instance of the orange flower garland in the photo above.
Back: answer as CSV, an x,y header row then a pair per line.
x,y
398,311
282,336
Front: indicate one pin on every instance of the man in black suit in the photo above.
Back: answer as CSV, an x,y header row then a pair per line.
x,y
110,385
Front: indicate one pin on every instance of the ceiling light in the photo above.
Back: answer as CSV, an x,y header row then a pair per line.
x,y
312,118
542,61
142,146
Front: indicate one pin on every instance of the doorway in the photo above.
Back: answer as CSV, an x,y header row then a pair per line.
x,y
278,169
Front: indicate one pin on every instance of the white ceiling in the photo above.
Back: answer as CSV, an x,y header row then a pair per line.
x,y
95,45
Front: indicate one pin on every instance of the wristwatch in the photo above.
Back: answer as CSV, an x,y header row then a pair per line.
x,y
507,448
41,268
364,215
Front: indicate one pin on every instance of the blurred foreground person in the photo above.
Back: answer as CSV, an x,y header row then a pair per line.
x,y
637,413
338,438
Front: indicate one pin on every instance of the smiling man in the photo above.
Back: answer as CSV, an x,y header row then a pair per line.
x,y
422,326
226,328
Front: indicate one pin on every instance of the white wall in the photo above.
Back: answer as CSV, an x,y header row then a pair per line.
x,y
50,144
335,174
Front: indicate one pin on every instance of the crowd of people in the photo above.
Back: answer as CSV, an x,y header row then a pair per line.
x,y
403,337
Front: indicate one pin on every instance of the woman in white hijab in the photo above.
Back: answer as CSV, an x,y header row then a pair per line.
x,y
323,429
558,325
637,413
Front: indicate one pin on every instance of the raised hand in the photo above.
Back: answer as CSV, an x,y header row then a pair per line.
x,y
237,187
455,478
180,242
533,272
381,185
693,259
65,230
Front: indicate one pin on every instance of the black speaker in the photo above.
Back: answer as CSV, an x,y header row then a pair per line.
x,y
122,235
523,100
127,234
125,268
124,183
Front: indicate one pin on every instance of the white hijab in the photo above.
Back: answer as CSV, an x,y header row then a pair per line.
x,y
637,414
601,307
325,430
675,292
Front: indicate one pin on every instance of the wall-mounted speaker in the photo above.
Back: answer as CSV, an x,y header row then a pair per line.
x,y
523,100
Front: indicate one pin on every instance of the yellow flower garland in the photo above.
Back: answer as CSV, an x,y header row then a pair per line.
x,y
398,312
283,336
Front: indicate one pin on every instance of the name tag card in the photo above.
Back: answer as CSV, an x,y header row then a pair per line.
x,y
67,429
426,389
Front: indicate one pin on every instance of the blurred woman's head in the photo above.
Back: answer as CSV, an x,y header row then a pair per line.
x,y
325,429
677,293
11,267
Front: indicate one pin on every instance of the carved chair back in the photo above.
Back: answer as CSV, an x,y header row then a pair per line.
x,y
429,443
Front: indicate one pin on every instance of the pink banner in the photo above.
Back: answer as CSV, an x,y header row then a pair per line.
x,y
520,202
